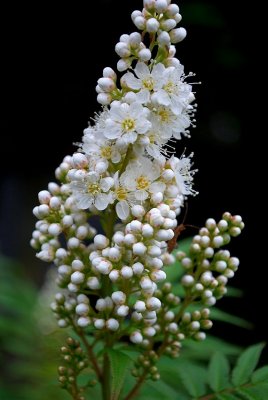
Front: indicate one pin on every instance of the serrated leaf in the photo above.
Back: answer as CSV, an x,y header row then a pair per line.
x,y
261,374
246,364
256,392
223,316
120,363
218,372
193,378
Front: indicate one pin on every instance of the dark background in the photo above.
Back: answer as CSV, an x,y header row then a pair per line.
x,y
52,60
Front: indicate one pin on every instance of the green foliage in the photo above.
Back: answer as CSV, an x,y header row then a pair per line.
x,y
218,372
120,364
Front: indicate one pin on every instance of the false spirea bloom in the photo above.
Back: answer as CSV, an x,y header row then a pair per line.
x,y
125,172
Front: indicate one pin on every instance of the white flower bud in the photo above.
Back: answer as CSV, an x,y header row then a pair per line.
x,y
207,294
83,322
109,73
158,276
112,324
177,17
138,268
101,305
233,263
122,311
153,304
79,160
82,298
169,316
139,249
140,306
147,231
157,198
53,188
149,331
129,239
55,203
44,197
211,224
135,226
149,315
99,323
206,278
130,98
82,309
124,38
77,277
187,263
149,4
106,84
157,263
177,35
104,99
137,211
64,270
154,251
217,241
45,255
161,5
118,238
73,243
54,229
220,266
134,39
209,252
93,283
43,211
168,24
168,174
62,323
173,327
145,55
101,241
122,50
136,316
235,231
73,288
118,297
136,337
104,267
135,14
77,265
126,272
123,65
140,22
114,254
146,283
187,280
210,301
114,275
195,326
172,10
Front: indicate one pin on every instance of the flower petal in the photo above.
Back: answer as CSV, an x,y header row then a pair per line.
x,y
122,209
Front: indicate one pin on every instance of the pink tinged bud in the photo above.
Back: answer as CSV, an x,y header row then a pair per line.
x,y
106,84
79,160
44,197
104,99
158,276
136,337
109,73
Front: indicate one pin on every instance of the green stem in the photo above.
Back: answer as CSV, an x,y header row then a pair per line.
x,y
225,391
106,387
136,388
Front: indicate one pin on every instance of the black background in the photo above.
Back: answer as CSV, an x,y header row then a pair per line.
x,y
52,59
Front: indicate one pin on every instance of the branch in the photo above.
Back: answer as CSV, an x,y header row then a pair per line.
x,y
137,387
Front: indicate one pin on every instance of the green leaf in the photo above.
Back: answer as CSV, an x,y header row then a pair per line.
x,y
193,378
260,375
257,392
234,292
120,363
220,315
218,372
246,364
225,396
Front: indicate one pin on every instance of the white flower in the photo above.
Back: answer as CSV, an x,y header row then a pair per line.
x,y
140,178
126,121
169,122
92,190
147,81
98,148
174,93
183,174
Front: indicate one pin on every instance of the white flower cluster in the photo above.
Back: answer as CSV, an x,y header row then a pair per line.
x,y
125,172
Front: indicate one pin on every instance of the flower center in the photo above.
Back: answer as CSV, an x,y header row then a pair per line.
x,y
142,183
93,189
163,115
148,83
128,124
151,138
121,194
170,87
106,152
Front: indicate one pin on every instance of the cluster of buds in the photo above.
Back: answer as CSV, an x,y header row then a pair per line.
x,y
75,361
